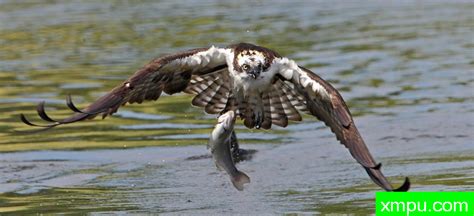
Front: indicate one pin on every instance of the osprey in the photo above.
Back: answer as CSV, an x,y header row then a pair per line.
x,y
261,87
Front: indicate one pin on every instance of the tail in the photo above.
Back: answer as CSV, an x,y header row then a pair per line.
x,y
239,180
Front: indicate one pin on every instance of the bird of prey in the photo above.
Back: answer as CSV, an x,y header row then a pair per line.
x,y
260,86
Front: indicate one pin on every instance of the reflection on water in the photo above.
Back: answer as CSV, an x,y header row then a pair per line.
x,y
405,69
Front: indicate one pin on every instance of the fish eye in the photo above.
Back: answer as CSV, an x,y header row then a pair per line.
x,y
246,67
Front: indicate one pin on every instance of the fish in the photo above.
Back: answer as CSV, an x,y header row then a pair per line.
x,y
220,145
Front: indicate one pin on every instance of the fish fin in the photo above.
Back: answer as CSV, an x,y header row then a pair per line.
x,y
239,180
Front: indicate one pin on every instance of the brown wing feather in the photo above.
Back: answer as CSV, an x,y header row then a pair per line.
x,y
295,99
267,113
170,74
288,107
203,98
212,91
219,100
277,112
333,111
200,83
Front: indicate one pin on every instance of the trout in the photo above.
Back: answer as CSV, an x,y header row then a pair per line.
x,y
220,145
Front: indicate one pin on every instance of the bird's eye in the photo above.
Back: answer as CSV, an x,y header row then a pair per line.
x,y
246,67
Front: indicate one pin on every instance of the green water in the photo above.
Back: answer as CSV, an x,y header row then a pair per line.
x,y
406,69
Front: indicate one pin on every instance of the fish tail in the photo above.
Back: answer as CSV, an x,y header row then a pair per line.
x,y
239,180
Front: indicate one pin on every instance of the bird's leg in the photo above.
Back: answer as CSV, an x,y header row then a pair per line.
x,y
258,119
258,114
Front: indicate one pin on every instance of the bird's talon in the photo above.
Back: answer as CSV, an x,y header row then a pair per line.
x,y
258,121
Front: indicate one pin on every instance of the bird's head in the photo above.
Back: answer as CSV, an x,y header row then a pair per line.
x,y
250,61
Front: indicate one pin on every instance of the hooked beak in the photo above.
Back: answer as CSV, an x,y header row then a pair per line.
x,y
254,73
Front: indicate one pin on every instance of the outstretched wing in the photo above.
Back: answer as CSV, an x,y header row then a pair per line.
x,y
169,74
324,102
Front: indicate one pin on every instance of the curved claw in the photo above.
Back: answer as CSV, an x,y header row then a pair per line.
x,y
42,113
404,187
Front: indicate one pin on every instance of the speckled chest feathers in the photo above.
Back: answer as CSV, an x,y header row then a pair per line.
x,y
250,87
